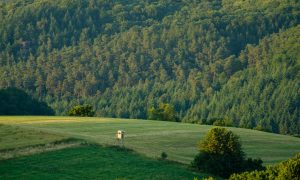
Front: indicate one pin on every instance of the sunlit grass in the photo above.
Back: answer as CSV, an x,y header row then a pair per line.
x,y
150,138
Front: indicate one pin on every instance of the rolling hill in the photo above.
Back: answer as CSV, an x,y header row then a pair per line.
x,y
92,162
149,138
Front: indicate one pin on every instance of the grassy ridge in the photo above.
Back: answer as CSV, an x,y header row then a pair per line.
x,y
91,162
150,138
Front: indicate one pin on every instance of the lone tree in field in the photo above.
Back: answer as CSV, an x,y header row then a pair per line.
x,y
221,153
82,110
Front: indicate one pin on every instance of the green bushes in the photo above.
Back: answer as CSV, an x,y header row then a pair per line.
x,y
221,154
164,112
82,110
163,156
289,169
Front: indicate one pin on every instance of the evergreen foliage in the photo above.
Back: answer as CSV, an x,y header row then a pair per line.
x,y
17,102
231,61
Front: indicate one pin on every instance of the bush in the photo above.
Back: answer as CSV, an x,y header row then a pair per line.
x,y
289,169
164,112
163,155
252,164
221,154
82,110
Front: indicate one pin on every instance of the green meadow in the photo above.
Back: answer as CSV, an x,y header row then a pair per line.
x,y
92,162
148,138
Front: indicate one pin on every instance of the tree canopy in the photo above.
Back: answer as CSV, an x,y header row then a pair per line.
x,y
209,59
17,102
221,153
82,110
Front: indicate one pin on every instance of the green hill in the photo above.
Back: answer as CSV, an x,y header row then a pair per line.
x,y
211,60
149,138
265,95
92,162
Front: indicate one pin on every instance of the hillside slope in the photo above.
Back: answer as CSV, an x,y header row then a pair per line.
x,y
150,138
266,94
138,54
93,162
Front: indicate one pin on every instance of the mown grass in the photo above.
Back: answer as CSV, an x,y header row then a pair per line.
x,y
150,138
12,137
39,148
92,162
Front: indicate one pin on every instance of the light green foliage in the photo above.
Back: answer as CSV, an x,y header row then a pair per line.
x,y
164,112
289,169
150,138
221,153
82,110
222,142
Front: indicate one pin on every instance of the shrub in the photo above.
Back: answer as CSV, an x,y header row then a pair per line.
x,y
82,110
164,112
163,155
221,154
289,169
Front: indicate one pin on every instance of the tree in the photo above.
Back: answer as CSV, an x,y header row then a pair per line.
x,y
164,112
82,110
221,153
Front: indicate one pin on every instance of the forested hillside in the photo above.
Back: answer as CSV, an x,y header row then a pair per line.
x,y
17,102
232,62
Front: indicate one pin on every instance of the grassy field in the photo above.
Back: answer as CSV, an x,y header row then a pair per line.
x,y
12,137
91,162
150,138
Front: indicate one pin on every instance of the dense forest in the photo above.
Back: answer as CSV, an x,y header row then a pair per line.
x,y
16,102
226,62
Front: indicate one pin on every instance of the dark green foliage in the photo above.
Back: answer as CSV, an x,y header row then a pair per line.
x,y
163,155
164,112
252,164
209,59
17,102
82,110
289,169
264,96
221,154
